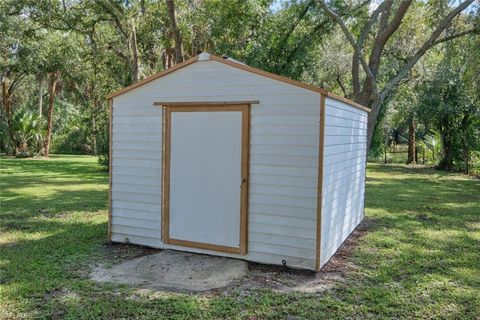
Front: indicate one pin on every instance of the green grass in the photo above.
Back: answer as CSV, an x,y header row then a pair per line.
x,y
419,256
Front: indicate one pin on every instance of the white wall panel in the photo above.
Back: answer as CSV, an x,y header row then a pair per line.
x,y
128,205
343,175
137,214
138,180
280,210
331,120
288,181
134,171
120,237
303,192
292,130
279,150
344,131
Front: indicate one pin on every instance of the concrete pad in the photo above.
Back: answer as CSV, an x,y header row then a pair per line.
x,y
174,270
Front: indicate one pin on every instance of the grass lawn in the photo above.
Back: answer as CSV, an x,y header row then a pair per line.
x,y
420,256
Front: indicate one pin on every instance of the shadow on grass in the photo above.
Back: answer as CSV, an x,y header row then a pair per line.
x,y
419,258
52,168
47,188
424,198
53,218
422,239
33,267
61,203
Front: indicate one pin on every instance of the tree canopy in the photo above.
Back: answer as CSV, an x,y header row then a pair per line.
x,y
404,59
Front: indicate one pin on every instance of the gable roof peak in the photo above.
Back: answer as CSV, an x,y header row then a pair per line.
x,y
205,56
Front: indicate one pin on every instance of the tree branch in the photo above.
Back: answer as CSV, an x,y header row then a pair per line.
x,y
431,41
396,56
107,6
339,81
368,26
386,31
119,53
350,39
457,35
15,82
360,42
307,39
295,24
397,19
177,38
385,16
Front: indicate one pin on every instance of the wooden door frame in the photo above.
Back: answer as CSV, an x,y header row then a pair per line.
x,y
166,141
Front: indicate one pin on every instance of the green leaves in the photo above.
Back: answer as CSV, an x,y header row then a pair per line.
x,y
29,131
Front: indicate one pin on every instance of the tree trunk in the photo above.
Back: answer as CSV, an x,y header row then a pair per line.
x,y
176,32
94,127
370,94
385,153
411,143
370,129
447,158
167,58
2,137
7,107
134,48
40,94
466,155
466,152
374,105
51,101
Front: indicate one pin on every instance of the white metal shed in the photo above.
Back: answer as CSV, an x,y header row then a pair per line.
x,y
217,157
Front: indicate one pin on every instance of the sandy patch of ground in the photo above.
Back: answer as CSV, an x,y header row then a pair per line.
x,y
172,270
152,270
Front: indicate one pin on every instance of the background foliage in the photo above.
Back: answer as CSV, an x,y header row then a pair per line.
x,y
91,48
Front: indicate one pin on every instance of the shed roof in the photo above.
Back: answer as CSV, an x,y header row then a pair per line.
x,y
235,64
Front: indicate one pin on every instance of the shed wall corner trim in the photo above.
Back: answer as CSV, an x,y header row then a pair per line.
x,y
320,182
110,137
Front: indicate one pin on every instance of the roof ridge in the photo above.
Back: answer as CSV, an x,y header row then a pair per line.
x,y
205,56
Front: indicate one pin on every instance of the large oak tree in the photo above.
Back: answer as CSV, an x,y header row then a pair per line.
x,y
369,48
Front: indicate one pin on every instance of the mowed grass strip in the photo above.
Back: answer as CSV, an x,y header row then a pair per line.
x,y
419,256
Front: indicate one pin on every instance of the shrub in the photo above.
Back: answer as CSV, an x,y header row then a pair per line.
x,y
104,160
29,132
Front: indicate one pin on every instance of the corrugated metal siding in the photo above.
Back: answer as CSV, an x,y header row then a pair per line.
x,y
283,159
343,174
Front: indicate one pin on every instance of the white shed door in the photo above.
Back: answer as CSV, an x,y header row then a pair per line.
x,y
205,176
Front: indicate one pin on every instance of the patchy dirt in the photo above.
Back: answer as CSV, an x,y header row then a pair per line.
x,y
154,271
287,280
119,252
61,294
175,271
